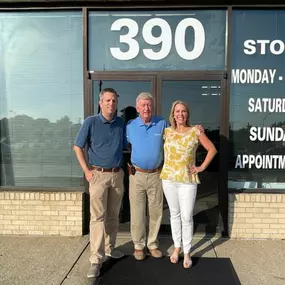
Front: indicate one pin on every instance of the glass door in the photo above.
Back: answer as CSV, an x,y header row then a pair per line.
x,y
204,100
128,87
205,96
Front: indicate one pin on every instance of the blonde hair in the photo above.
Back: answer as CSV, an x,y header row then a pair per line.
x,y
171,116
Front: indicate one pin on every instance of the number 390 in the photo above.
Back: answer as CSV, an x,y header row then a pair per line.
x,y
165,39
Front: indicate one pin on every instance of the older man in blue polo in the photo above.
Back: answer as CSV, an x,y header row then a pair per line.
x,y
145,134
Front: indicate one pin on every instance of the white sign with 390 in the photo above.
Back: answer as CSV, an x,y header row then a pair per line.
x,y
165,39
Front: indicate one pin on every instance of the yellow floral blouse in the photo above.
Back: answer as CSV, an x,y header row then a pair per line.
x,y
179,155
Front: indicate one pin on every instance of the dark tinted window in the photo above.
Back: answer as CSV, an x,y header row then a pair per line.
x,y
157,40
203,99
257,104
41,98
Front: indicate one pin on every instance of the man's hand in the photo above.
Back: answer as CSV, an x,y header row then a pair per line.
x,y
88,175
200,128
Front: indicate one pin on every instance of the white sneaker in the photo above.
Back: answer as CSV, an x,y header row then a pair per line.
x,y
116,254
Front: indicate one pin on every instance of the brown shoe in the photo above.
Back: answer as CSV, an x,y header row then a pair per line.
x,y
155,253
139,254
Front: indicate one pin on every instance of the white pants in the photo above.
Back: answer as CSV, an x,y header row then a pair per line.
x,y
181,199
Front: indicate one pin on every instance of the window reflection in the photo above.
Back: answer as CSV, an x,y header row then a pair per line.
x,y
202,97
42,107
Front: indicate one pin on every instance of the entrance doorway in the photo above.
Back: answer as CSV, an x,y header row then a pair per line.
x,y
204,94
204,100
127,87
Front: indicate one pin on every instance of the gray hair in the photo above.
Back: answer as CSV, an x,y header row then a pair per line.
x,y
145,96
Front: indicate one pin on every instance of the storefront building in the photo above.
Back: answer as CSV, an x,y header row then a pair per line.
x,y
226,62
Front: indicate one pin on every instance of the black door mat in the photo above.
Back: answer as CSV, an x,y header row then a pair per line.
x,y
152,271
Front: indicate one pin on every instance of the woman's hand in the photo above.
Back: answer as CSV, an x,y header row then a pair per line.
x,y
196,169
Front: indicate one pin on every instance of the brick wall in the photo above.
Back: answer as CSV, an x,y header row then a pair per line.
x,y
257,216
37,213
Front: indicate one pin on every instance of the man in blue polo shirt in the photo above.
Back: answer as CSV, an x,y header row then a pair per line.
x,y
145,134
103,134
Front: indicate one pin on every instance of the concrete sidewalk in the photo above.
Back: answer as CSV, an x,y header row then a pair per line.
x,y
65,260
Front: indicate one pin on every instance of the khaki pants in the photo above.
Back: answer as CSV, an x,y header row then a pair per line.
x,y
106,192
145,188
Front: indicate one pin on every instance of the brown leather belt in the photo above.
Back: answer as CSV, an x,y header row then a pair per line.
x,y
148,170
115,169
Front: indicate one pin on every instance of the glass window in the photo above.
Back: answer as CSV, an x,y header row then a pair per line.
x,y
41,98
157,40
257,104
203,99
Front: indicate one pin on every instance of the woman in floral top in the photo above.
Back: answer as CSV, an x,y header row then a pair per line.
x,y
180,176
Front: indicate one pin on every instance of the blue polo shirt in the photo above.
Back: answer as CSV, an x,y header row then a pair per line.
x,y
146,141
105,140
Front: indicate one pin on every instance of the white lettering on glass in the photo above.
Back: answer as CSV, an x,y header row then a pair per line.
x,y
263,105
199,38
267,134
260,161
134,49
165,39
256,76
275,47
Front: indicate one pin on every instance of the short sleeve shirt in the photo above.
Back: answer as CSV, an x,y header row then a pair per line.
x,y
105,140
147,142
